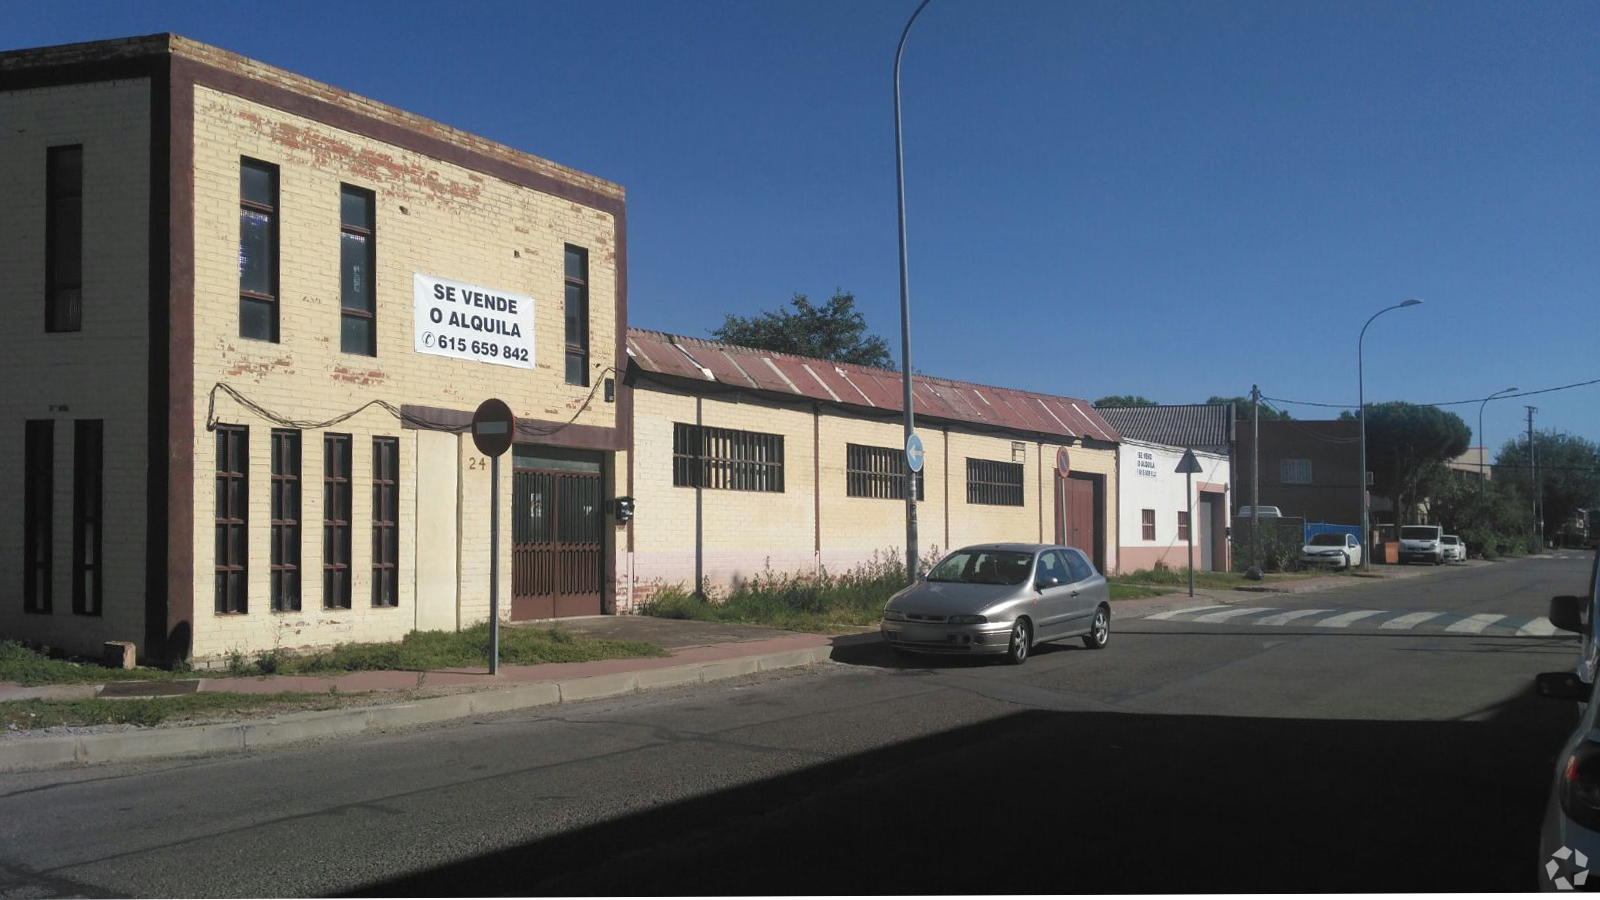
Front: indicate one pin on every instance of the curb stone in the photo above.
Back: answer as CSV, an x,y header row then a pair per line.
x,y
27,753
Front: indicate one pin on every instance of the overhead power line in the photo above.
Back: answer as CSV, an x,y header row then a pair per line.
x,y
1564,387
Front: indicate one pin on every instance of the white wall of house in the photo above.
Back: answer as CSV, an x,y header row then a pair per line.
x,y
1149,482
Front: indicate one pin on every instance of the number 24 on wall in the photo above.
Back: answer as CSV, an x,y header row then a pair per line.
x,y
477,463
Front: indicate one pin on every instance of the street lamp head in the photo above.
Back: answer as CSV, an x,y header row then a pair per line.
x,y
1412,302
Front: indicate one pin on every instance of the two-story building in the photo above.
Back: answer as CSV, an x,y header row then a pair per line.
x,y
248,318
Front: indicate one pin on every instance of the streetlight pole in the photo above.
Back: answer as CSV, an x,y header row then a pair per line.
x,y
1361,398
1484,450
905,311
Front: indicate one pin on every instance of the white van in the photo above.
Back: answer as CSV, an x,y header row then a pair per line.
x,y
1422,542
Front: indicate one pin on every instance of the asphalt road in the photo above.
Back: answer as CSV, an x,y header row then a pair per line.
x,y
1186,757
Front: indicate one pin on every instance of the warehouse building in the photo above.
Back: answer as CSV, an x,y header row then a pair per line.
x,y
747,461
249,317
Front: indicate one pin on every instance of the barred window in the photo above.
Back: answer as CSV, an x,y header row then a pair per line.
x,y
726,459
1183,525
1147,524
385,516
992,483
232,519
285,562
336,497
877,472
1294,471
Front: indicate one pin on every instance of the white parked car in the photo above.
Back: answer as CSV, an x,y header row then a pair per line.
x,y
1455,549
1334,549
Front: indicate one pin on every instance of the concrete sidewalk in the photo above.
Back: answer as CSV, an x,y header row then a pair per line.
x,y
701,652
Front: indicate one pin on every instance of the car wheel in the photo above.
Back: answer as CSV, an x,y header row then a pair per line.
x,y
1021,638
1099,630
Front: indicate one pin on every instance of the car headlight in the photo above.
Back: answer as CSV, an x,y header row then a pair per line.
x,y
893,615
967,620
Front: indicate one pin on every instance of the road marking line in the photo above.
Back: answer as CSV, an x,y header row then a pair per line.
x,y
1410,620
1231,614
1474,624
1344,620
1176,612
1286,618
1537,628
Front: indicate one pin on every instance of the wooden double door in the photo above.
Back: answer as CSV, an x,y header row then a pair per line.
x,y
558,539
1080,515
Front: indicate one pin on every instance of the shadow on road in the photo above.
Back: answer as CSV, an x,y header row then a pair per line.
x,y
1051,802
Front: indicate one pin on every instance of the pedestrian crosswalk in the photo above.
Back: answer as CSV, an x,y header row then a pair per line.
x,y
1428,621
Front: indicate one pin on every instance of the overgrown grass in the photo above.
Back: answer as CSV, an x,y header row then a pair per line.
x,y
422,651
24,665
30,714
822,603
416,652
1164,576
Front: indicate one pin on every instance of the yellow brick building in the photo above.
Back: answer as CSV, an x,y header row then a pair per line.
x,y
251,316
747,461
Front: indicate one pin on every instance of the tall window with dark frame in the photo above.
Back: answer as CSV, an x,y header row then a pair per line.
x,y
88,497
358,292
385,521
993,483
726,459
38,514
258,250
233,519
1147,524
877,472
1183,525
285,520
577,314
63,239
336,521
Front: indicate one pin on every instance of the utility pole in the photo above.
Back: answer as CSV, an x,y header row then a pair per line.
x,y
1533,476
1255,476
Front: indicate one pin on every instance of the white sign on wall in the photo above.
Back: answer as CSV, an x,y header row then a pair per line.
x,y
479,324
1147,464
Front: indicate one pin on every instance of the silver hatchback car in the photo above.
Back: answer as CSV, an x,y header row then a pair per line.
x,y
1001,599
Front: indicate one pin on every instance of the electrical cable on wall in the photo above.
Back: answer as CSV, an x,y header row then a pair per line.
x,y
390,408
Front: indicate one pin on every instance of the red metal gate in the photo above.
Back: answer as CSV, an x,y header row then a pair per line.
x,y
556,544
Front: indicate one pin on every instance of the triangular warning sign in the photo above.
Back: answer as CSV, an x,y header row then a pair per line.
x,y
1189,465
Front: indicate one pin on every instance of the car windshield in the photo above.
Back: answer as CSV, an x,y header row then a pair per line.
x,y
1419,533
1451,539
984,567
1327,540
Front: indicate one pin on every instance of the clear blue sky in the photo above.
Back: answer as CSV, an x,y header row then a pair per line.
x,y
1173,199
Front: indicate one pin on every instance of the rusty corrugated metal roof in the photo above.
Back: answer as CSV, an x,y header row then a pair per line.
x,y
862,386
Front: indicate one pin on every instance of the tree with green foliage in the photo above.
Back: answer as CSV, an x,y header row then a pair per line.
x,y
835,331
1407,447
1116,400
1568,470
1241,408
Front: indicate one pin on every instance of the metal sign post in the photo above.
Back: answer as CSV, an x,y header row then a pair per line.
x,y
492,428
1188,466
914,460
1063,469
